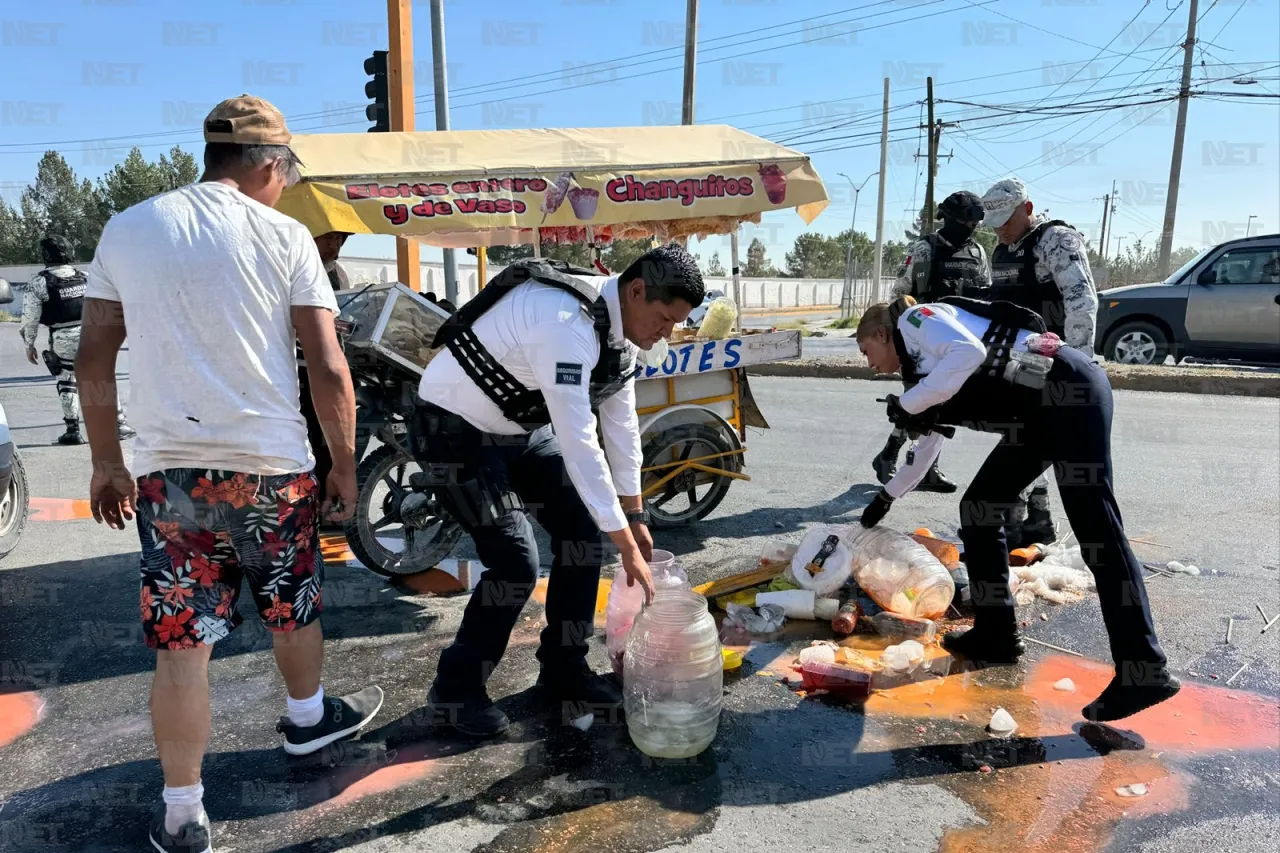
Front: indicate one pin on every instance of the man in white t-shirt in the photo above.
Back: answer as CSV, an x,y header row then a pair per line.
x,y
212,285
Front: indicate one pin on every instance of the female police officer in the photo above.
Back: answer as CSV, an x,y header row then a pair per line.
x,y
986,366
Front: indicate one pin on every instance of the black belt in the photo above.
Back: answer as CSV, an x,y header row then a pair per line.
x,y
440,421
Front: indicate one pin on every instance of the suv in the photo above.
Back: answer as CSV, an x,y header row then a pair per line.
x,y
1222,304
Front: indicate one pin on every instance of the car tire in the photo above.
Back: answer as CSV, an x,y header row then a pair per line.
x,y
15,507
1137,342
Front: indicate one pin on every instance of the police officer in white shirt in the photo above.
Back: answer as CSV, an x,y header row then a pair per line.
x,y
992,367
506,431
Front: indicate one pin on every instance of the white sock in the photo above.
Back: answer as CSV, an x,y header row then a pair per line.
x,y
183,805
307,712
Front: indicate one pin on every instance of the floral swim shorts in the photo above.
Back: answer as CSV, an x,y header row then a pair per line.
x,y
203,532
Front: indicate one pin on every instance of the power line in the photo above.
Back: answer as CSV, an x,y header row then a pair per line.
x,y
1125,58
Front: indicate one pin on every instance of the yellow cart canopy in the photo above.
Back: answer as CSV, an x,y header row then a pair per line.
x,y
482,187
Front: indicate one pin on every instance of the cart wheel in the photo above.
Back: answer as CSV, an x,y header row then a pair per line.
x,y
377,534
690,495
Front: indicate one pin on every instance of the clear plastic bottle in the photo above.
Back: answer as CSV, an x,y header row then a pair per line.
x,y
625,601
673,676
899,573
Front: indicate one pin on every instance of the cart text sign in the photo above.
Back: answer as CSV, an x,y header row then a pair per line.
x,y
536,201
705,356
408,205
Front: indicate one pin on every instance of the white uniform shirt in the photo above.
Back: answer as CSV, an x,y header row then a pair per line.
x,y
946,346
208,278
535,332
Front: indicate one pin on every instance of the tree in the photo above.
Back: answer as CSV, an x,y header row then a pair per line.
x,y
502,256
714,267
758,265
1138,265
59,203
620,254
893,254
16,247
815,256
136,180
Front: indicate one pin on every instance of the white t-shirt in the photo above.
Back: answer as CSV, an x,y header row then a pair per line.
x,y
207,277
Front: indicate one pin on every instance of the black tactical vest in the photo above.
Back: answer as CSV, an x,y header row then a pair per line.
x,y
527,406
66,300
986,402
955,270
1013,279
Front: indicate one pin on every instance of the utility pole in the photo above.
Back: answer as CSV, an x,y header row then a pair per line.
x,y
926,227
442,123
690,59
1179,133
400,92
1248,225
884,165
1106,209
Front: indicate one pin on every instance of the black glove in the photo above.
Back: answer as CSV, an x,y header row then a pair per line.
x,y
898,416
877,509
914,425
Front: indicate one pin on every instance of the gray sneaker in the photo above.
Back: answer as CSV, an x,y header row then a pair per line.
x,y
191,837
343,717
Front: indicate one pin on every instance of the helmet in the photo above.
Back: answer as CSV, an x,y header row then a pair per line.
x,y
962,205
56,249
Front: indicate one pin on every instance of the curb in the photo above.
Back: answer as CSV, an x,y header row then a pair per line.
x,y
793,309
1123,379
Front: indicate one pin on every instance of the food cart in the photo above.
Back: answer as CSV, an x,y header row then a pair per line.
x,y
463,189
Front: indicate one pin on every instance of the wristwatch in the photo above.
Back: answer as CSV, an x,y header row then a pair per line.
x,y
637,517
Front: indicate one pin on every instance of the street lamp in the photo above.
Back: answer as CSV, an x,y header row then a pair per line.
x,y
1249,223
850,269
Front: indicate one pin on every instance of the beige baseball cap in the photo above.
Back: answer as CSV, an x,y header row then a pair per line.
x,y
246,120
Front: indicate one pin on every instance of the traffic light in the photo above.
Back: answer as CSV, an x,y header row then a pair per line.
x,y
379,112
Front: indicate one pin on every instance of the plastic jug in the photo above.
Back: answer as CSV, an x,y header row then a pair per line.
x,y
625,601
899,573
673,676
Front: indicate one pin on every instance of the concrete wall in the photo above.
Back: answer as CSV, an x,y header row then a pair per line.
x,y
756,292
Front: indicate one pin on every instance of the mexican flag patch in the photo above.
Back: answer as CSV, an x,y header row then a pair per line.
x,y
915,317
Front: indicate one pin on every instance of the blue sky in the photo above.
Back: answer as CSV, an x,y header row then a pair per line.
x,y
74,70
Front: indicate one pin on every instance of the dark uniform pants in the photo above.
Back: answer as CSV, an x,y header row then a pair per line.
x,y
1071,432
496,485
315,434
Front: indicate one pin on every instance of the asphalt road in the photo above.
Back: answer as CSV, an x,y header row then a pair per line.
x,y
1198,476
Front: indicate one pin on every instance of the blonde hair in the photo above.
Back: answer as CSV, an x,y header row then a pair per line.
x,y
882,315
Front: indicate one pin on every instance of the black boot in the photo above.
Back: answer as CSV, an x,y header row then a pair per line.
x,y
470,712
886,463
936,481
1037,529
1126,696
72,435
989,647
578,690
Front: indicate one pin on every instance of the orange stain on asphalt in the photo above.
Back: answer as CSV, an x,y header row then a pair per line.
x,y
19,713
388,778
334,549
59,509
602,594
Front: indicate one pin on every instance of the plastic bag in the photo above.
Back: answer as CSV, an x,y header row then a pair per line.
x,y
718,323
768,620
